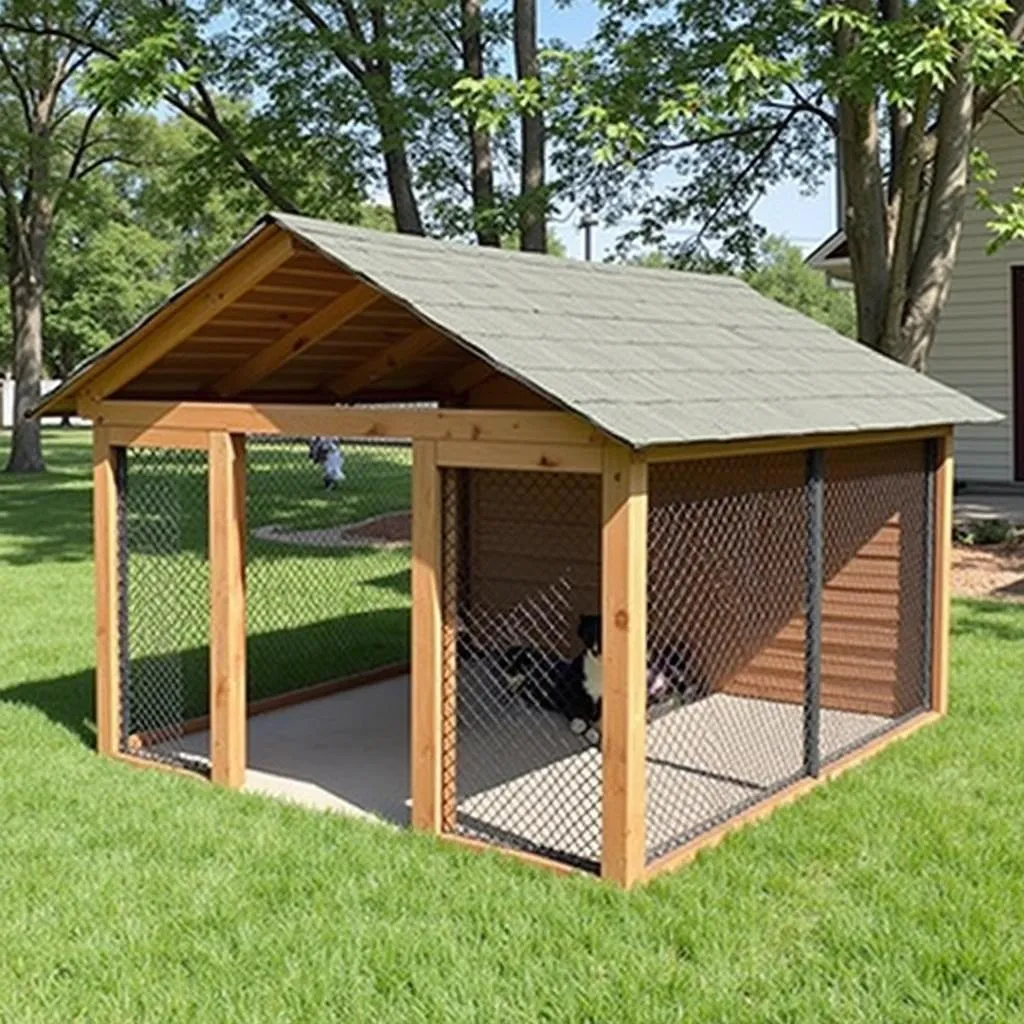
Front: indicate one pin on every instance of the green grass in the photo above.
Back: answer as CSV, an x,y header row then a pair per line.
x,y
895,894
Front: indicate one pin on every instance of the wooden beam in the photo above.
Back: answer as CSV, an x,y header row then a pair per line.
x,y
159,437
710,839
296,340
105,563
554,458
771,445
942,547
426,696
386,361
227,608
533,427
623,657
190,312
464,379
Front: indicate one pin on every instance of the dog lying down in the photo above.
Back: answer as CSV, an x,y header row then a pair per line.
x,y
574,688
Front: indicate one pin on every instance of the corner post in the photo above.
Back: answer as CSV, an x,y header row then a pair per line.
x,y
814,557
426,681
942,553
624,658
227,608
106,567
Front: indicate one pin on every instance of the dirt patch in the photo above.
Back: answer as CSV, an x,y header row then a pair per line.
x,y
390,530
995,572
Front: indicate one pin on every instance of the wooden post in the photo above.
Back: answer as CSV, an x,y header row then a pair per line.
x,y
450,555
942,548
105,561
426,697
227,608
623,656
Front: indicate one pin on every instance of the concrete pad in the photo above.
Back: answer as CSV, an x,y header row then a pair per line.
x,y
522,777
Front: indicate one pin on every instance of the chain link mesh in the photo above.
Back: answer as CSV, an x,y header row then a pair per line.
x,y
520,565
327,556
164,600
731,549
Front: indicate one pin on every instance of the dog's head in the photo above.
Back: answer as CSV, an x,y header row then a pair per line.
x,y
589,631
519,663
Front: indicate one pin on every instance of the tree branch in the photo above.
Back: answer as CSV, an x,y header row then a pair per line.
x,y
19,89
319,23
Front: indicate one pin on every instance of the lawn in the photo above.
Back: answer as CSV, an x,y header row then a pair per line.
x,y
894,894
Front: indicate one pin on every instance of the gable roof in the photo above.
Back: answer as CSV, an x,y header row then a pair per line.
x,y
647,356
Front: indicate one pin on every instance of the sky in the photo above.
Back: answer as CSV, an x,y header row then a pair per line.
x,y
805,220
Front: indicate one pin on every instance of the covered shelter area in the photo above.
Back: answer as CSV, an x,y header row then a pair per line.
x,y
608,559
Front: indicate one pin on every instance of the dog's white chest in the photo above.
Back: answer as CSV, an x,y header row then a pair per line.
x,y
593,678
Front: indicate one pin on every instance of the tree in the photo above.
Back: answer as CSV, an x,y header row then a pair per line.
x,y
52,141
533,202
736,102
488,230
784,276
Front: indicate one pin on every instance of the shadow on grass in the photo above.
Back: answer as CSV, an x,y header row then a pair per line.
x,y
278,662
989,620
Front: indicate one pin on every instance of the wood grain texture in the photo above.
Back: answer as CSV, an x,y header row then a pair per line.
x,y
227,608
296,340
481,425
196,307
942,573
552,458
623,657
105,562
426,689
382,363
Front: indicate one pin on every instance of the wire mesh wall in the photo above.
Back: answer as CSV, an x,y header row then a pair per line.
x,y
788,611
726,632
521,757
163,599
327,555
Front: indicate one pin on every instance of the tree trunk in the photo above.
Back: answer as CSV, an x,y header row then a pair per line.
x,y
26,291
482,169
400,190
533,202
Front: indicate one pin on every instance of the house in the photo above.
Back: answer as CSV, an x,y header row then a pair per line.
x,y
979,347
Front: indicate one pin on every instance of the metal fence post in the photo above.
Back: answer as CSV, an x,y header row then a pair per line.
x,y
815,492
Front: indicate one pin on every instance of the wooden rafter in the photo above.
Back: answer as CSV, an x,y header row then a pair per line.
x,y
296,340
191,312
380,365
466,378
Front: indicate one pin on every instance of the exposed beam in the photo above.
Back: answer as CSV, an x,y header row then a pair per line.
x,y
540,427
466,378
390,359
191,311
296,340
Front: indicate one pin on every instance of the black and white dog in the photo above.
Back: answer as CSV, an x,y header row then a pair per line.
x,y
575,688
326,453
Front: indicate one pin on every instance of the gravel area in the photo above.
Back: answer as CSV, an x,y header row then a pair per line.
x,y
995,572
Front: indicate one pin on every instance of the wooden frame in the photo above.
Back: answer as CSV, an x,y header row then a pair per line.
x,y
488,439
942,548
227,609
426,682
624,665
105,549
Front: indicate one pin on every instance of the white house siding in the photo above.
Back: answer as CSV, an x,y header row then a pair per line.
x,y
972,350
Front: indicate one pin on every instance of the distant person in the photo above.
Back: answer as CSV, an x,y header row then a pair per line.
x,y
326,453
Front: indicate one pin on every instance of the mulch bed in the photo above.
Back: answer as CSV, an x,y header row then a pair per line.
x,y
390,530
995,572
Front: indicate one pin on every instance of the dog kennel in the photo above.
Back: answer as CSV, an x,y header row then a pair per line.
x,y
756,510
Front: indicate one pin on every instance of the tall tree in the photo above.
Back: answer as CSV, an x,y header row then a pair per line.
x,y
488,230
532,197
734,104
52,140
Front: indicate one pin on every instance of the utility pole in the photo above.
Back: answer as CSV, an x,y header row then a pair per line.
x,y
588,222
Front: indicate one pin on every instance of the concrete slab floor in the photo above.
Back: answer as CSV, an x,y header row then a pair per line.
x,y
522,774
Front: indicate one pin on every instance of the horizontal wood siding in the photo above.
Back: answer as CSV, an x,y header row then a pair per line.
x,y
873,598
529,533
727,548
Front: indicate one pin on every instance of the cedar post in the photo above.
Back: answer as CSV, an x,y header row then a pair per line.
x,y
942,548
105,562
426,682
624,660
227,608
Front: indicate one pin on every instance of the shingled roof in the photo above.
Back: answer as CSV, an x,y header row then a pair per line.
x,y
648,356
